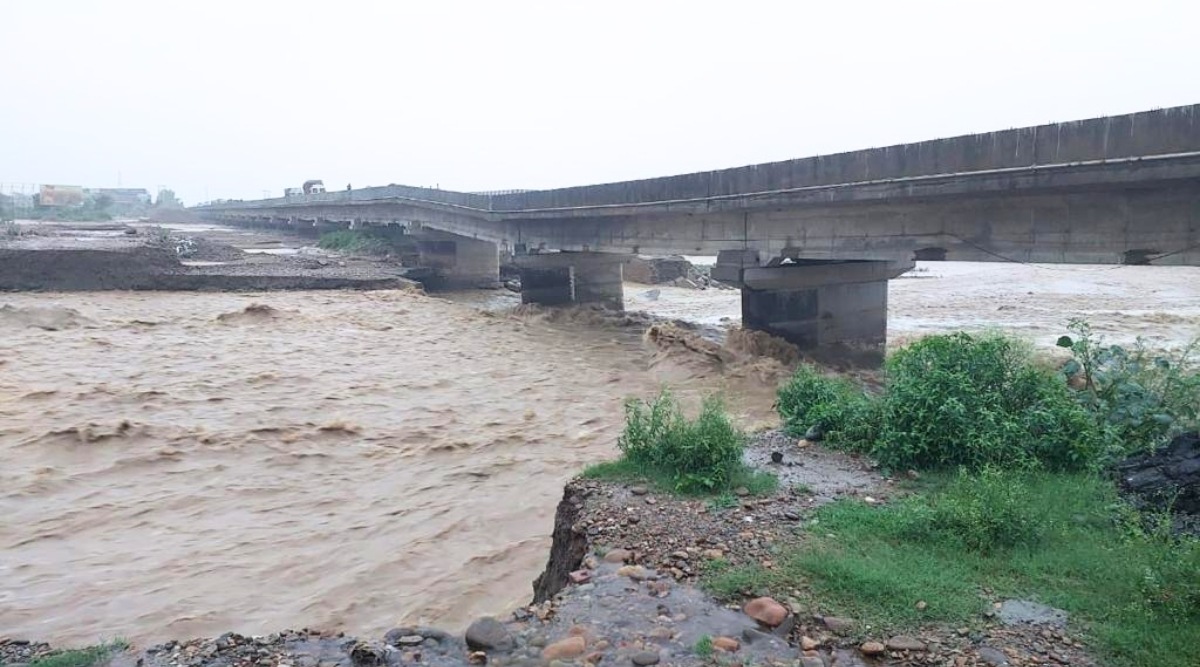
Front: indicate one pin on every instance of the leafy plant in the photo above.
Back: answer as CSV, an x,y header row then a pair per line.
x,y
1139,397
676,454
703,647
701,455
963,400
952,400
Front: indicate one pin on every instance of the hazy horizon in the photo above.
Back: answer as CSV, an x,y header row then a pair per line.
x,y
238,100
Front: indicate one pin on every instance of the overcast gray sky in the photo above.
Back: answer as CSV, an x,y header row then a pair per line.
x,y
228,99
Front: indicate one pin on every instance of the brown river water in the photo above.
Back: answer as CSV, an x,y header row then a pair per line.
x,y
177,465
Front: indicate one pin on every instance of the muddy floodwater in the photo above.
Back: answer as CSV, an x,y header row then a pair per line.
x,y
180,464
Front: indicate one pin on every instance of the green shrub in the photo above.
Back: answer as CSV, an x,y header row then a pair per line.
x,y
1142,399
963,400
952,400
833,405
700,456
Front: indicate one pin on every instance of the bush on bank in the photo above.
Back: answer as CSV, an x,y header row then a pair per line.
x,y
691,456
970,400
952,400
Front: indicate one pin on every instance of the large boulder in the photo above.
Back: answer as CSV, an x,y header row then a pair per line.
x,y
1166,477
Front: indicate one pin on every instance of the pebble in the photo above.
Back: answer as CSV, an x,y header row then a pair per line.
x,y
808,643
766,610
905,643
838,625
713,554
618,556
638,490
811,661
645,658
741,492
727,644
409,640
872,648
635,572
992,656
565,649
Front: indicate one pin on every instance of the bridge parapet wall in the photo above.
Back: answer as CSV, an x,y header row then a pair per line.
x,y
1159,132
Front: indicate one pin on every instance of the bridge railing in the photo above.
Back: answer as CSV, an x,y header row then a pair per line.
x,y
1160,132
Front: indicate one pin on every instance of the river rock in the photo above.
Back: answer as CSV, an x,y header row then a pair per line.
x,y
645,658
837,624
872,648
727,644
809,644
811,661
635,572
992,656
905,643
565,649
766,611
488,634
618,556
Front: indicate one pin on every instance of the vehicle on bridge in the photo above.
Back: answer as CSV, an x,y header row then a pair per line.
x,y
314,187
292,192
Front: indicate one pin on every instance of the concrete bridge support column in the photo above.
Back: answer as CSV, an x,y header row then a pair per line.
x,y
832,306
461,262
563,278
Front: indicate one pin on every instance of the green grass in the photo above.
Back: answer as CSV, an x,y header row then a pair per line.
x,y
1135,593
354,241
703,647
83,657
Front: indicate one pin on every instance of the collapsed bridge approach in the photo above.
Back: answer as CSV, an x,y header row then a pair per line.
x,y
812,242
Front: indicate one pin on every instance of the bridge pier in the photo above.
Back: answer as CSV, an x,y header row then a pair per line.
x,y
461,262
828,306
564,278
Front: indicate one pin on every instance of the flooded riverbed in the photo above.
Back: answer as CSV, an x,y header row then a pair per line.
x,y
180,464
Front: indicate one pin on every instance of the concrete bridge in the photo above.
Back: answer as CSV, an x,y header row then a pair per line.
x,y
813,241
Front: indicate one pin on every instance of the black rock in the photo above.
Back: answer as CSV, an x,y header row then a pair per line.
x,y
814,433
776,457
1166,477
488,634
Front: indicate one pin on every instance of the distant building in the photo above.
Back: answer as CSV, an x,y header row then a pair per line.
x,y
123,197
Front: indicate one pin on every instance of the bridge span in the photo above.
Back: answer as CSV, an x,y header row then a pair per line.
x,y
813,241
